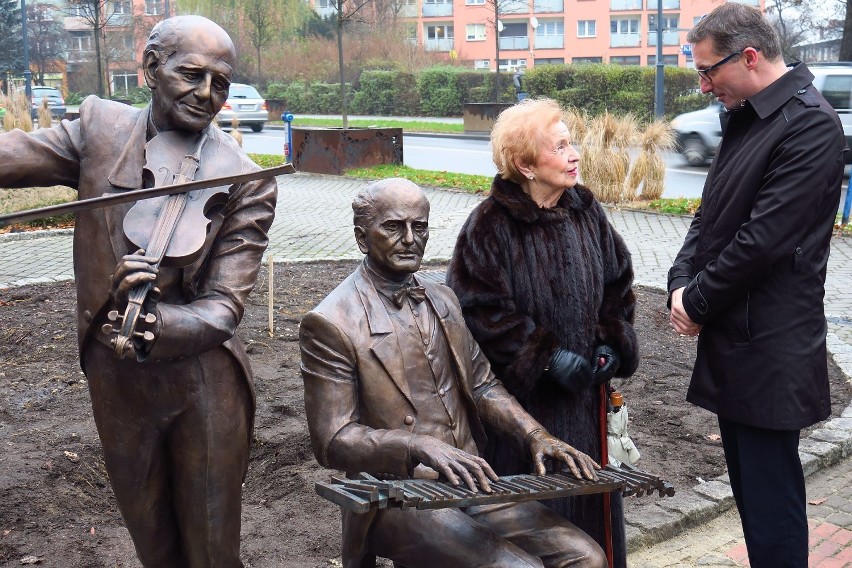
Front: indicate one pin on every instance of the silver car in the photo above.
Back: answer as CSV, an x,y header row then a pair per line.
x,y
698,133
246,104
55,102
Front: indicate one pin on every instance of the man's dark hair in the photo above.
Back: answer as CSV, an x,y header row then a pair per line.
x,y
733,27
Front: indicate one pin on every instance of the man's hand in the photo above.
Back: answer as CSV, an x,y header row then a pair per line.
x,y
451,462
680,319
543,444
131,270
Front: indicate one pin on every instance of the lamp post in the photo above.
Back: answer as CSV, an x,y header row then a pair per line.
x,y
658,99
28,88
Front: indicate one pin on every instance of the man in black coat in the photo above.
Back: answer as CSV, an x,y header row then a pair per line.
x,y
749,279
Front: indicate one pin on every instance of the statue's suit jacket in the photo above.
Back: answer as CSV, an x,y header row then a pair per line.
x,y
104,152
359,408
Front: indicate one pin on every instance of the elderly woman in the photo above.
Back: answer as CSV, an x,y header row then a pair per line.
x,y
545,284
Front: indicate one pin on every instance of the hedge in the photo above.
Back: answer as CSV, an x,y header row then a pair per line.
x,y
442,91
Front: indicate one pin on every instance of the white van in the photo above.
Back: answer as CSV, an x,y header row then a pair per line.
x,y
698,133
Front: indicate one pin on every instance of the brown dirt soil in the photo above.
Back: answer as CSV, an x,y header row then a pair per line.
x,y
56,506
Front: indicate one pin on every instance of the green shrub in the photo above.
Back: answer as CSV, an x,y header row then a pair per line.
x,y
387,93
74,98
439,93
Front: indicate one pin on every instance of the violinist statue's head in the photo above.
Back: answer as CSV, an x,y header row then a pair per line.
x,y
188,62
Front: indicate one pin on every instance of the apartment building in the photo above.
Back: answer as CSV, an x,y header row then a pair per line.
x,y
537,32
125,25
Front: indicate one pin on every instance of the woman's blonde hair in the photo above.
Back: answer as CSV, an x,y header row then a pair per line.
x,y
517,133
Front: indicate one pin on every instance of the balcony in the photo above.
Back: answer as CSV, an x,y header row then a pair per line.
x,y
669,38
408,11
438,44
514,7
432,10
625,40
550,42
667,4
540,6
514,42
621,5
119,20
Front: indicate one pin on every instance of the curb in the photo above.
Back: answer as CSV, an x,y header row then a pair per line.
x,y
670,516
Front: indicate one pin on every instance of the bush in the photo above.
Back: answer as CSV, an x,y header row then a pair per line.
x,y
439,93
139,95
74,98
388,93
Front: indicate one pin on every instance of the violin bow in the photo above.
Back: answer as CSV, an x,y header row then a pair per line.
x,y
137,194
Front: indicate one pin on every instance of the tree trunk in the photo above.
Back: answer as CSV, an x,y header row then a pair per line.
x,y
343,110
495,95
259,80
846,42
98,61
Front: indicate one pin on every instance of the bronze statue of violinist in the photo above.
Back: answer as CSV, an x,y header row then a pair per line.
x,y
174,403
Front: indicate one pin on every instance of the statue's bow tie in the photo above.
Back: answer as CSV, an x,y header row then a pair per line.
x,y
416,293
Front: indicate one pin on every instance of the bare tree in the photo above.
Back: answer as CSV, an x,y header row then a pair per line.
x,y
846,42
93,14
793,22
261,32
347,13
497,8
46,38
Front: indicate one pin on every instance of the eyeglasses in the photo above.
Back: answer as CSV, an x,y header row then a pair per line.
x,y
705,73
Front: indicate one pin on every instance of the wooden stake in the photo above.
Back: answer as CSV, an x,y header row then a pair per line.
x,y
271,264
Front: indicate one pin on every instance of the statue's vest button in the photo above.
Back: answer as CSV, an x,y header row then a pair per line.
x,y
87,315
409,420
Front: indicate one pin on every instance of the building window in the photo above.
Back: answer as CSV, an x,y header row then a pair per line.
x,y
669,60
438,2
550,28
81,41
121,7
127,42
624,60
152,7
549,61
624,26
587,60
669,22
439,32
123,81
482,64
476,32
511,65
586,28
474,2
76,10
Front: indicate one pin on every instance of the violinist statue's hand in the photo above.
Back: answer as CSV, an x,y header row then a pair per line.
x,y
131,271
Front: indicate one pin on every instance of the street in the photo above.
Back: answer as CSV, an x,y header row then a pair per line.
x,y
473,156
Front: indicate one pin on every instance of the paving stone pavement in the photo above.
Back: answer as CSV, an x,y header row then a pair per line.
x,y
697,527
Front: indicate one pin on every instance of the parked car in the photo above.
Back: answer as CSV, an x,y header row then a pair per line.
x,y
247,105
698,133
55,101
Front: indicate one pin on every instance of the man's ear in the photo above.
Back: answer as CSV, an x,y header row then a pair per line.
x,y
751,57
149,67
361,239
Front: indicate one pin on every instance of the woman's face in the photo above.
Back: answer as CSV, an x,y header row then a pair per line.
x,y
556,166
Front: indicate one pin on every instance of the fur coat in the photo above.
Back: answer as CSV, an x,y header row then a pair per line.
x,y
531,280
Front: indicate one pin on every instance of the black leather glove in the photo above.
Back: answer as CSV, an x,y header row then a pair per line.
x,y
570,371
605,362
